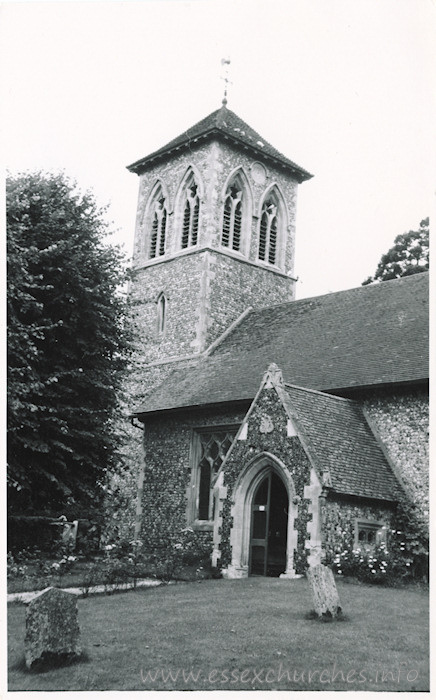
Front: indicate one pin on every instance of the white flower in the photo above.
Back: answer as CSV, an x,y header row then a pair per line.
x,y
55,565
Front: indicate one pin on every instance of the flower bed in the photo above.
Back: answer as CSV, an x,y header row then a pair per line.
x,y
184,557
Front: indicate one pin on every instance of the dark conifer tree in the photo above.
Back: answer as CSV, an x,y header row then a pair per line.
x,y
67,346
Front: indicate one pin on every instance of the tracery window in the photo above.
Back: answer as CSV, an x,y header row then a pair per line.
x,y
268,232
158,227
210,449
191,214
232,218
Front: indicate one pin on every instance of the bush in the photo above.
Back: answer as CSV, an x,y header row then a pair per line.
x,y
384,564
15,570
185,548
91,578
128,561
403,558
375,566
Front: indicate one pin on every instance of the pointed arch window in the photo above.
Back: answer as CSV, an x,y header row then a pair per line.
x,y
191,215
233,214
158,227
268,232
161,314
210,447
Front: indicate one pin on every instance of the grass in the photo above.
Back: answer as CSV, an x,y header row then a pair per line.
x,y
239,635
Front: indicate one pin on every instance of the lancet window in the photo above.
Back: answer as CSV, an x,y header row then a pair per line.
x,y
233,215
191,214
161,314
209,450
268,232
158,227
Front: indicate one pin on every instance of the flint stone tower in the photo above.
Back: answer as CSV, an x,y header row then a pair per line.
x,y
215,235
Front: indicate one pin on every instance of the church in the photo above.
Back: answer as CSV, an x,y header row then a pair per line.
x,y
278,430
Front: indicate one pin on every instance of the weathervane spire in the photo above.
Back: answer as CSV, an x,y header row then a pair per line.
x,y
225,62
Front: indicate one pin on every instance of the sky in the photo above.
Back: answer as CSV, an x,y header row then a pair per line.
x,y
344,88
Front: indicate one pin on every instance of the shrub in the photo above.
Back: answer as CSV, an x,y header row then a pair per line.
x,y
184,548
128,561
373,566
91,578
404,556
15,570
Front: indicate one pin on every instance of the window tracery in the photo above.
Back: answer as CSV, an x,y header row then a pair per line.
x,y
210,449
268,232
231,236
158,227
191,214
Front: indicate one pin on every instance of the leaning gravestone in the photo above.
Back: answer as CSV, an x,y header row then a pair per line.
x,y
52,628
324,592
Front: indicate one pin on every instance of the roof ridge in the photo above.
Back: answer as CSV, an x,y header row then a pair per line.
x,y
373,285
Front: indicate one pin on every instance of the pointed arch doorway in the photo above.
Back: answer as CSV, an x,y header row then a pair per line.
x,y
269,526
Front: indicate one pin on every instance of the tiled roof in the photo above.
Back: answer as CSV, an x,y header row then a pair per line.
x,y
223,123
340,442
369,336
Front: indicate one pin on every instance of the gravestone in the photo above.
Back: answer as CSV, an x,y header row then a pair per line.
x,y
52,628
324,592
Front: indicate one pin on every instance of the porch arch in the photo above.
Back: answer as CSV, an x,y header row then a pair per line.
x,y
243,494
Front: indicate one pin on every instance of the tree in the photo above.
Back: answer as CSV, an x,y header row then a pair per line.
x,y
67,346
408,255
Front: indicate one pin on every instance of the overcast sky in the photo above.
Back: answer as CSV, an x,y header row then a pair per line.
x,y
345,88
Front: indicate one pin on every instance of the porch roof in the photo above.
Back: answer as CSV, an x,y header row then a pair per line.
x,y
340,442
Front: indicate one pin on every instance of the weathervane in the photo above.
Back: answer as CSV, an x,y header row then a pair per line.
x,y
225,62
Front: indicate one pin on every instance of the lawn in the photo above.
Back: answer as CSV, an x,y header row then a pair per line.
x,y
250,634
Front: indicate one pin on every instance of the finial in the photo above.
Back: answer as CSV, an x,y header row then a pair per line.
x,y
225,62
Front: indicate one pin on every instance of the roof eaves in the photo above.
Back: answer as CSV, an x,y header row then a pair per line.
x,y
352,492
320,393
143,415
166,152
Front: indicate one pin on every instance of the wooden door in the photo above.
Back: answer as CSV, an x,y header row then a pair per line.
x,y
269,519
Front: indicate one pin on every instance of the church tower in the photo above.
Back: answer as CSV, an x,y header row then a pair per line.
x,y
215,234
